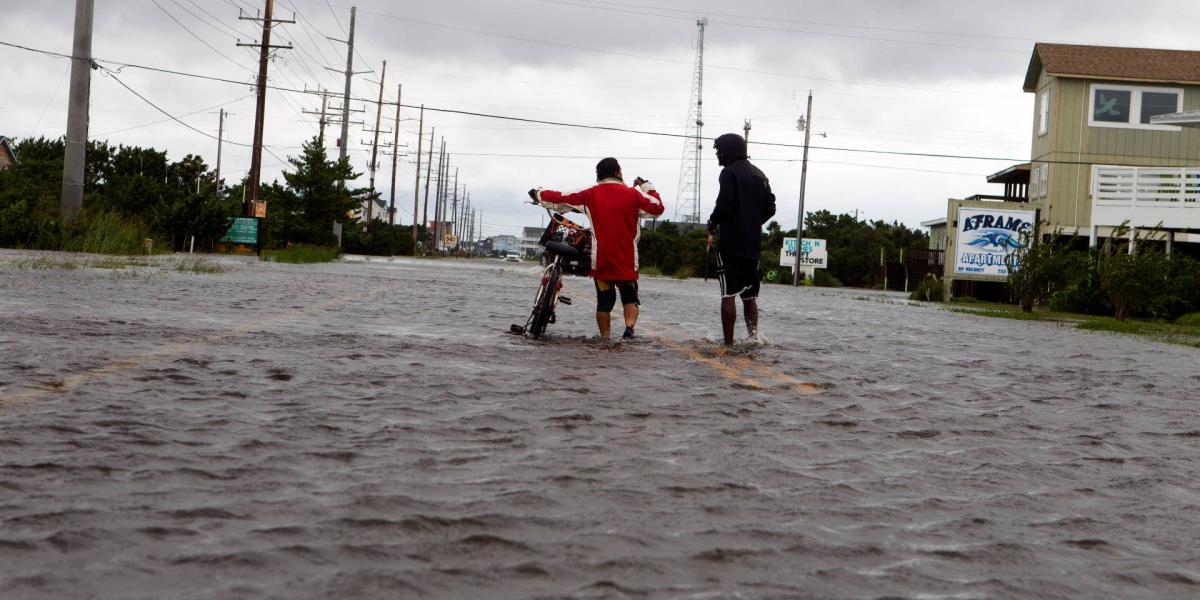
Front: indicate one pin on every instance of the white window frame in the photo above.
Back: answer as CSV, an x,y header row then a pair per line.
x,y
1135,106
1044,186
1043,113
1033,182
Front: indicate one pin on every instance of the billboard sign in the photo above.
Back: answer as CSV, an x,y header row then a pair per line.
x,y
815,254
985,236
242,230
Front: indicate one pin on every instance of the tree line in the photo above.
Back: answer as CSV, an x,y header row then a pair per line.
x,y
133,193
855,249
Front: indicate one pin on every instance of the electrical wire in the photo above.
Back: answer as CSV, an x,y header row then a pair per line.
x,y
784,29
202,41
568,124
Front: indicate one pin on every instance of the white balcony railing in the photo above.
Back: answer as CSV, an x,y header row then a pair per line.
x,y
1146,197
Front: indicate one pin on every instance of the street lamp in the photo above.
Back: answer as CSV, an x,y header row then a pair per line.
x,y
804,124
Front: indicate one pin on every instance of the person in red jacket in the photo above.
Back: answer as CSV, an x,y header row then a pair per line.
x,y
614,210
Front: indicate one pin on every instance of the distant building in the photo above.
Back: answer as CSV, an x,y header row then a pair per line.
x,y
504,244
7,156
530,236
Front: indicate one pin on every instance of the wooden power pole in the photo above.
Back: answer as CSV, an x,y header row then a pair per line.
x,y
417,183
78,107
264,55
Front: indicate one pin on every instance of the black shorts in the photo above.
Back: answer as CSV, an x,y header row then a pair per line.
x,y
606,294
738,276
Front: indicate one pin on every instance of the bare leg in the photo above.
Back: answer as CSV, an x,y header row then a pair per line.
x,y
603,321
728,319
631,315
750,306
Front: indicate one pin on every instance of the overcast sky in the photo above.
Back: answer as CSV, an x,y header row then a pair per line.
x,y
940,77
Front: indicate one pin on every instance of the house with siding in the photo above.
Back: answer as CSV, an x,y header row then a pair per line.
x,y
1095,142
1103,153
8,157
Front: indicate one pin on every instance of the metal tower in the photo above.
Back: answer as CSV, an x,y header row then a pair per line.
x,y
687,208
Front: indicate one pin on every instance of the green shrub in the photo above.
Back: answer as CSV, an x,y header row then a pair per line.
x,y
822,278
650,271
1190,320
108,233
684,272
932,289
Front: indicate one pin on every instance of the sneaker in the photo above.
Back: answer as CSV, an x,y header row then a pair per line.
x,y
628,335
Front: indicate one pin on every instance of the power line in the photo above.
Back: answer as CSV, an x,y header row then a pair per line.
x,y
194,112
195,35
783,29
662,59
572,125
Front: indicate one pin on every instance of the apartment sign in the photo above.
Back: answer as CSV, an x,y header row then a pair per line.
x,y
986,236
814,255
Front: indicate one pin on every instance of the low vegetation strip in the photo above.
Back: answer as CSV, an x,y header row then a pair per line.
x,y
302,253
1185,331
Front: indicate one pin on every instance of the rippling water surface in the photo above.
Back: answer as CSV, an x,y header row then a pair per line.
x,y
364,430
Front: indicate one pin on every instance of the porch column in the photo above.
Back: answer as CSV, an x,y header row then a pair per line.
x,y
1093,233
1132,239
1170,241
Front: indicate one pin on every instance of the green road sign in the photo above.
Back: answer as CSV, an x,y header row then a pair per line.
x,y
243,230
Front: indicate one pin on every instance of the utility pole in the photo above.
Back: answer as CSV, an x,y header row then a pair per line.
x,y
428,174
324,120
78,106
454,209
220,140
417,183
746,131
264,54
437,197
342,141
375,145
395,153
806,124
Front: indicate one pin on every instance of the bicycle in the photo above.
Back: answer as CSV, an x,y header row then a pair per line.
x,y
568,250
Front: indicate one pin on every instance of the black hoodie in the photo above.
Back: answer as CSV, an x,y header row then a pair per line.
x,y
744,203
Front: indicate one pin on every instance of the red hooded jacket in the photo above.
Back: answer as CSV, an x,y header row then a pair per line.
x,y
614,211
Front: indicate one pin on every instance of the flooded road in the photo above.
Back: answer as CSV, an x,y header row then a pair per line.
x,y
369,430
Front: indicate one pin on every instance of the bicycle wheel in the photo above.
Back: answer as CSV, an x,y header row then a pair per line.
x,y
543,307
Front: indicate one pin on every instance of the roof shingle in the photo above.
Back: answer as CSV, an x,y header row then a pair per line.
x,y
1108,62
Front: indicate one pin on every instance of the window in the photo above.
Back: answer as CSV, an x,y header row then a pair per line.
x,y
1131,107
1044,112
1034,182
1044,188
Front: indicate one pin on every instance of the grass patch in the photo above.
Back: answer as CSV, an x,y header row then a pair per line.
x,y
650,271
198,265
110,233
41,264
118,263
302,254
1161,331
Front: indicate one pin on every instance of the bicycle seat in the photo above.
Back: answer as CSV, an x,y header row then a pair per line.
x,y
562,249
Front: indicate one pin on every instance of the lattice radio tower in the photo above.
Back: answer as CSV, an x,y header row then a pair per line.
x,y
687,209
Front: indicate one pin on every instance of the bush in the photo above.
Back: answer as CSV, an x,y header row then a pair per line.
x,y
824,279
109,233
1190,320
932,289
1132,282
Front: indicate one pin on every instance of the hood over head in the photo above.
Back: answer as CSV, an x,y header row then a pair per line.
x,y
730,147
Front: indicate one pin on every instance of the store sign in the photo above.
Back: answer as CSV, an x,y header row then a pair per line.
x,y
243,230
815,254
986,236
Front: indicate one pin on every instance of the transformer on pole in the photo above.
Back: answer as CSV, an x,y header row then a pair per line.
x,y
687,209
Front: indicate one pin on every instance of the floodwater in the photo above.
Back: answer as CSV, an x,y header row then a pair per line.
x,y
369,430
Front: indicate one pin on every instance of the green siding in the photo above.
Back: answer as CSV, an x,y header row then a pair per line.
x,y
1067,204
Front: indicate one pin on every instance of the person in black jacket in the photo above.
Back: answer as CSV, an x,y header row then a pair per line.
x,y
744,204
